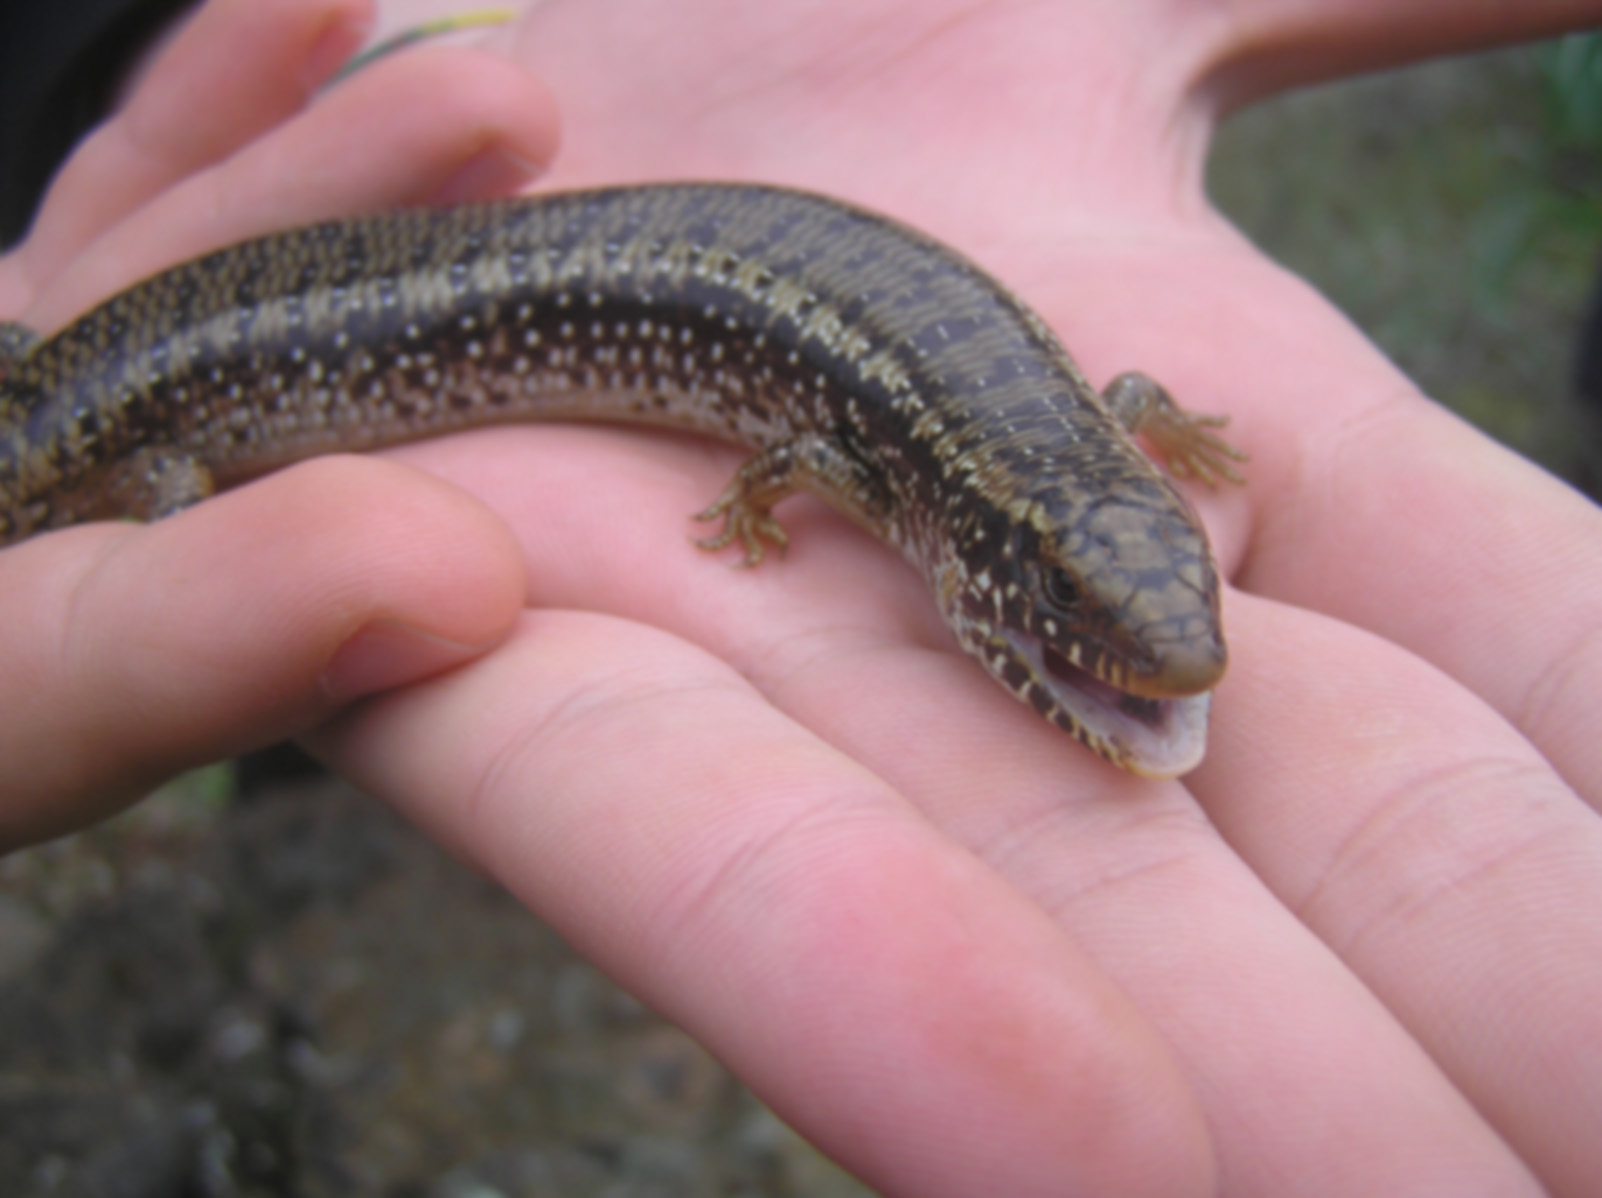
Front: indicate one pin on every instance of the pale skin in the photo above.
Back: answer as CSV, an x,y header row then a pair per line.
x,y
1357,952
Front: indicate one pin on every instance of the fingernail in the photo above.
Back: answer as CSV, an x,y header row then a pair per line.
x,y
384,655
491,173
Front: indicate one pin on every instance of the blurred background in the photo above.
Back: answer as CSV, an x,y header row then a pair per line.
x,y
1454,212
265,985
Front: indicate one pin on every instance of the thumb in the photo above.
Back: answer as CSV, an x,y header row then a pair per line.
x,y
131,653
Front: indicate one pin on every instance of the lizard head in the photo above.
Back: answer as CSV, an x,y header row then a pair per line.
x,y
1102,614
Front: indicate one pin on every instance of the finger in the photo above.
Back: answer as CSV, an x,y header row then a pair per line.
x,y
890,997
433,124
1364,500
1406,522
1185,928
1437,853
131,653
832,637
236,69
1462,552
1271,45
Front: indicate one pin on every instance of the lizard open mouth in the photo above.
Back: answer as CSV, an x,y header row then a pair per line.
x,y
1157,738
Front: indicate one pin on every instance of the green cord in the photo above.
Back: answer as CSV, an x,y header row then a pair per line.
x,y
418,33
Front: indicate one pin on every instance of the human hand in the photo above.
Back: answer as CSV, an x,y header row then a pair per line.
x,y
131,653
1353,953
933,933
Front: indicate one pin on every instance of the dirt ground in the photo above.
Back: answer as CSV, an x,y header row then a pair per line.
x,y
299,995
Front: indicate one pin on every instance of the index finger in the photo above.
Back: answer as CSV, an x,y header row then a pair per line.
x,y
253,64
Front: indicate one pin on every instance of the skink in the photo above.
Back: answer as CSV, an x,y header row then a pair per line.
x,y
859,360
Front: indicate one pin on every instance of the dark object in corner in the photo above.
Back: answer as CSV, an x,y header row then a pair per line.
x,y
1588,350
1588,385
61,65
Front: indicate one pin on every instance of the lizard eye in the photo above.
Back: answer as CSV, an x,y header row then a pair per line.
x,y
1062,590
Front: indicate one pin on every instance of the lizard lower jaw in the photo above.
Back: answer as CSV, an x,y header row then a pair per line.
x,y
1155,738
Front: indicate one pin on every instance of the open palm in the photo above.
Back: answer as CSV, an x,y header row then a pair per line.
x,y
1356,952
